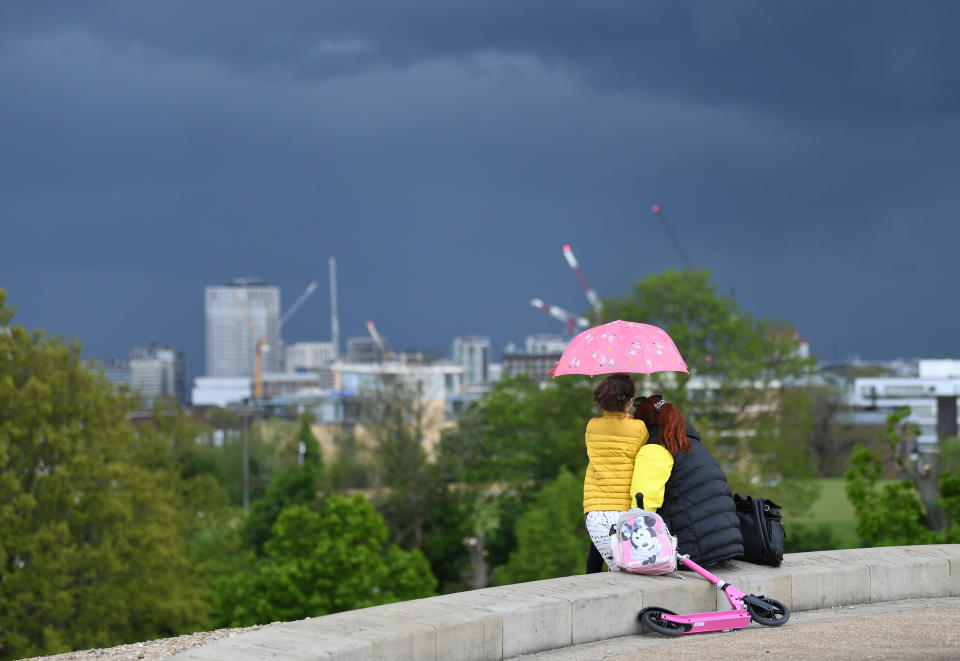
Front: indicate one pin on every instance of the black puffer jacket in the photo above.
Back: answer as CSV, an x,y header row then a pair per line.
x,y
698,506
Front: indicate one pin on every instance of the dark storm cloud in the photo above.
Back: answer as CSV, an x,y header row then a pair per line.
x,y
801,58
805,154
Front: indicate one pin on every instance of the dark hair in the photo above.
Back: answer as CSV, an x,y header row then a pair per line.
x,y
613,393
667,419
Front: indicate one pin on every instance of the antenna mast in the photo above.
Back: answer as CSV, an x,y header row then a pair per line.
x,y
334,321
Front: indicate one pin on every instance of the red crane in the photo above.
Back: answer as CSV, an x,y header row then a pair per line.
x,y
377,339
658,212
588,290
561,314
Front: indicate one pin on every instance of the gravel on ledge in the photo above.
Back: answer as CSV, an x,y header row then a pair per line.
x,y
151,650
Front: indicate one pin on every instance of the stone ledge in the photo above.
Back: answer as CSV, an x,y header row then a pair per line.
x,y
507,621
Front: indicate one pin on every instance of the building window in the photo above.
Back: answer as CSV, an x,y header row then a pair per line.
x,y
903,391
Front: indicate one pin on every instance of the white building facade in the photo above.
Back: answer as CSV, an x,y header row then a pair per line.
x,y
879,396
230,344
435,382
472,352
153,372
221,391
308,356
158,372
545,343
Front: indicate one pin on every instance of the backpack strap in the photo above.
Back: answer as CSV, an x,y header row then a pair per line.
x,y
762,525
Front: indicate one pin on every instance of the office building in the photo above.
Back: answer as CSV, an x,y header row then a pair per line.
x,y
158,372
221,390
539,357
931,396
237,315
117,370
153,372
536,366
472,352
362,350
308,356
546,344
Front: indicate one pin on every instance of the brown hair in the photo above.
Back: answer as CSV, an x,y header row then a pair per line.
x,y
667,418
614,392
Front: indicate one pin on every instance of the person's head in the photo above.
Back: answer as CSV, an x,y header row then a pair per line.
x,y
615,392
655,411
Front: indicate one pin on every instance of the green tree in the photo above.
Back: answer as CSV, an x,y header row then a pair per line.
x,y
504,448
297,485
173,441
751,368
320,562
91,553
716,338
521,433
888,514
348,470
551,538
395,417
899,512
311,446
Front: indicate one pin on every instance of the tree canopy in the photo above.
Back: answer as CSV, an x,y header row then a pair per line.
x,y
91,550
551,540
750,402
319,562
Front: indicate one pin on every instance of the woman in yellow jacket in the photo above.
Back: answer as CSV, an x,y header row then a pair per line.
x,y
612,444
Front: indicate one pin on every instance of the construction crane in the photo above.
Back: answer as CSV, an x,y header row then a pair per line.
x,y
261,347
588,290
561,314
312,287
297,303
658,212
372,329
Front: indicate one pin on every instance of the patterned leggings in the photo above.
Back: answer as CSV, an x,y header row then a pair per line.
x,y
598,527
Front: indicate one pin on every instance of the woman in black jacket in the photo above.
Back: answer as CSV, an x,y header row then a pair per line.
x,y
677,477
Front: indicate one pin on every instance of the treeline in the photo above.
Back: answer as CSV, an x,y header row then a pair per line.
x,y
117,532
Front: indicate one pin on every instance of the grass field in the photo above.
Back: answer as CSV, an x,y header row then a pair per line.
x,y
833,510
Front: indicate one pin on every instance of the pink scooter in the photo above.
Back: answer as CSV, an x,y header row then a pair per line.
x,y
768,612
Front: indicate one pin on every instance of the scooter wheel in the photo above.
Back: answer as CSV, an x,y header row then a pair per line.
x,y
652,618
768,612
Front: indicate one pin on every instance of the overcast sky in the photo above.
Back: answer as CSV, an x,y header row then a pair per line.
x,y
805,153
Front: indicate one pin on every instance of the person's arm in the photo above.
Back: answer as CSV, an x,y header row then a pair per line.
x,y
651,470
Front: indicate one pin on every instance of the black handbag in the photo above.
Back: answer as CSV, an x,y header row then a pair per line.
x,y
762,528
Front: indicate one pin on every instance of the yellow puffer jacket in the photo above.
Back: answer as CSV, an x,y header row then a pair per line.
x,y
612,445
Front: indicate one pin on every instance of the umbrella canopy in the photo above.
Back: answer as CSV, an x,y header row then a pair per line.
x,y
620,346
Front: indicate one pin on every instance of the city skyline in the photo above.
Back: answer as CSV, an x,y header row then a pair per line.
x,y
804,155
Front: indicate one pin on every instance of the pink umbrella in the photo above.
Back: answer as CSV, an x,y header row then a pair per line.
x,y
620,346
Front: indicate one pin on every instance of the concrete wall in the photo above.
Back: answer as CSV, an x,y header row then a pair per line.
x,y
502,622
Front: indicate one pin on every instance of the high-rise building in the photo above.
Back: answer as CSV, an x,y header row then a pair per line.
x,y
472,352
117,370
231,346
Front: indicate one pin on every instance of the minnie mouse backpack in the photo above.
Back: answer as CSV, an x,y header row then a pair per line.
x,y
642,544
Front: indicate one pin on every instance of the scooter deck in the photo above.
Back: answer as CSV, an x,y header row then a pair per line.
x,y
713,621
